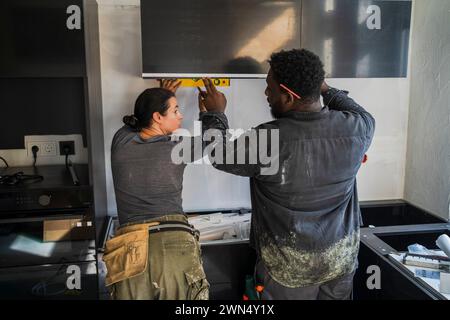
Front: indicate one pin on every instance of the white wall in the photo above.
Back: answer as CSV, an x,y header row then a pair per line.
x,y
387,99
427,181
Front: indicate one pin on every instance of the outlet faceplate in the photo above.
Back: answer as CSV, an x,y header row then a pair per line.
x,y
46,148
50,149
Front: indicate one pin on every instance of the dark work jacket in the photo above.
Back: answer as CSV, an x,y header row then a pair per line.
x,y
306,216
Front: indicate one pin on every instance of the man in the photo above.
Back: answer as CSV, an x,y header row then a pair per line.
x,y
306,217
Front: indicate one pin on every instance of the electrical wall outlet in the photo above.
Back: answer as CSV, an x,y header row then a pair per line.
x,y
46,148
51,149
70,145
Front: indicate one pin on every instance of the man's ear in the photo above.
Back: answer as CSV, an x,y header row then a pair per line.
x,y
156,117
287,98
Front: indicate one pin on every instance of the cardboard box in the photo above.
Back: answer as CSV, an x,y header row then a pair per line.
x,y
67,229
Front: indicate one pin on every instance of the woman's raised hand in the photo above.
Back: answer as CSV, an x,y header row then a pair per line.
x,y
170,84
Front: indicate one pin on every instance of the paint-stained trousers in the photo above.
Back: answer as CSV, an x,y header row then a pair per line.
x,y
337,289
174,270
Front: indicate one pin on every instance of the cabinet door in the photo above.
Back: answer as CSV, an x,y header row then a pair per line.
x,y
358,38
40,106
227,37
65,281
40,39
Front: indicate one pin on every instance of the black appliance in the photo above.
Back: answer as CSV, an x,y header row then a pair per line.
x,y
47,234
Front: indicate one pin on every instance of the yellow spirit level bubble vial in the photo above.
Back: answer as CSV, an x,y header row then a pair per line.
x,y
197,82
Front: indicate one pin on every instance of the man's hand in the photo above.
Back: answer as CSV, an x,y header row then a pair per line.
x,y
324,87
170,84
211,99
201,104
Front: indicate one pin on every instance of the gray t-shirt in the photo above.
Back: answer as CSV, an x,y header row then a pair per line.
x,y
146,181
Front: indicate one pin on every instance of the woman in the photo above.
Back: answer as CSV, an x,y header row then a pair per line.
x,y
155,253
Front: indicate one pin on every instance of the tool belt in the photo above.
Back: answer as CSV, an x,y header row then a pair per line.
x,y
174,226
126,254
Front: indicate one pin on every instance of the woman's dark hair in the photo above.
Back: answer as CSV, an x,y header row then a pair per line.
x,y
149,101
300,70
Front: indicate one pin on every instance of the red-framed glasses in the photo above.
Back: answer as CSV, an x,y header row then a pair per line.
x,y
290,91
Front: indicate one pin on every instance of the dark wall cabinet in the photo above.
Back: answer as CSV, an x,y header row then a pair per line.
x,y
41,106
36,41
358,38
43,76
354,38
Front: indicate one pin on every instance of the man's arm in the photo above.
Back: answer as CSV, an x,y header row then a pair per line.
x,y
336,99
239,156
236,156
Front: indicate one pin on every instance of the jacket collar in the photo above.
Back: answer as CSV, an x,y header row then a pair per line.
x,y
306,115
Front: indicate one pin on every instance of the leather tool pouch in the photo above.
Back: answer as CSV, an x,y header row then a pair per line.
x,y
126,254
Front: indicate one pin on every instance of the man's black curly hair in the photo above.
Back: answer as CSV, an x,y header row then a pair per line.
x,y
300,70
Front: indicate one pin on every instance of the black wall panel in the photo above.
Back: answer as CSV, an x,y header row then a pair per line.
x,y
36,42
40,106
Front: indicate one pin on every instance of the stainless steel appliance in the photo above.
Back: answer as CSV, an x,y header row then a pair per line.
x,y
47,235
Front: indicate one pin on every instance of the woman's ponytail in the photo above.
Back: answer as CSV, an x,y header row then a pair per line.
x,y
131,121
